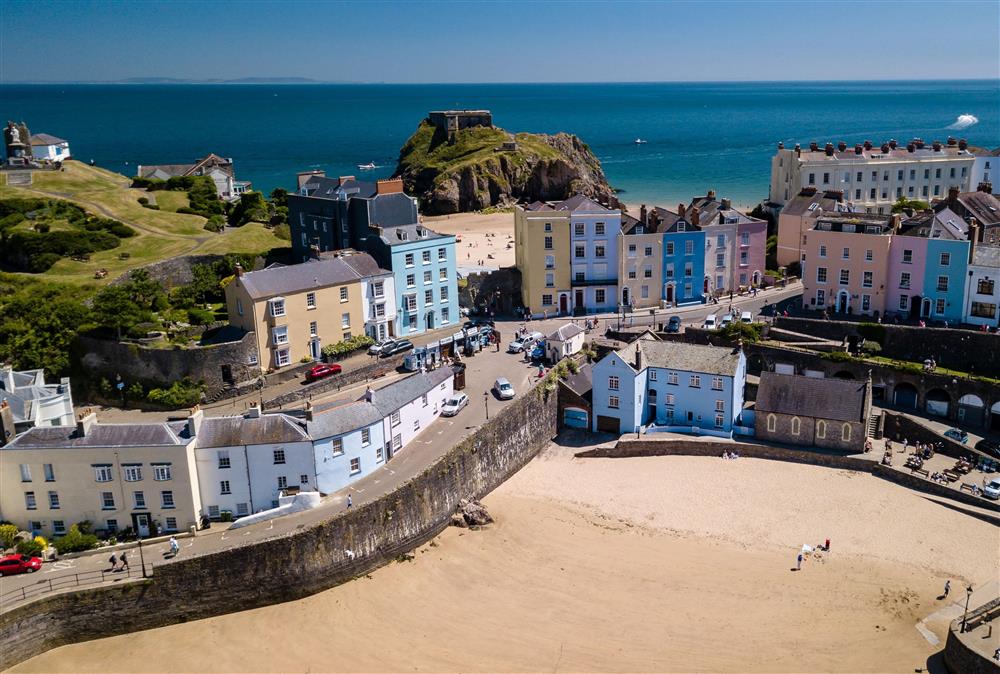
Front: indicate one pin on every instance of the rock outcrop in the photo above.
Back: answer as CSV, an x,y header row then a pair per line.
x,y
470,514
480,167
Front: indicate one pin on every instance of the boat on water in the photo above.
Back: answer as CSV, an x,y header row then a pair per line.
x,y
640,141
367,167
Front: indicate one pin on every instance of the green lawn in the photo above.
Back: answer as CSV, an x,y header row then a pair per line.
x,y
169,200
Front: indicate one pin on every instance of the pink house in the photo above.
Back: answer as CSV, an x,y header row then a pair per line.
x,y
905,283
751,246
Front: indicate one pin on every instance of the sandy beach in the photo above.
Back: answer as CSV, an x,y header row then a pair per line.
x,y
659,564
480,237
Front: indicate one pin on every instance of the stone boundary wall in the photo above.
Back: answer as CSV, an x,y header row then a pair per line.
x,y
670,447
959,658
298,564
371,371
899,427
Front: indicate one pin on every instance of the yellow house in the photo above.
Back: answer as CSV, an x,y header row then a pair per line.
x,y
116,476
295,310
541,254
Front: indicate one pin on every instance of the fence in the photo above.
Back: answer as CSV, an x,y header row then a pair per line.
x,y
45,586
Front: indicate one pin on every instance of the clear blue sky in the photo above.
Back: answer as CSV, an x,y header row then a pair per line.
x,y
500,41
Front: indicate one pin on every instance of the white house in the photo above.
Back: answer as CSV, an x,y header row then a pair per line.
x,y
378,296
347,442
411,405
984,170
245,462
49,148
982,287
32,402
565,341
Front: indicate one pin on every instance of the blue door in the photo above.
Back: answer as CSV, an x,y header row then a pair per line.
x,y
574,417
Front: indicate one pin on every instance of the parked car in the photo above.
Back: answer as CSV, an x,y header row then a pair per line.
x,y
711,322
726,321
454,405
11,564
746,317
989,447
503,389
674,324
396,347
317,372
376,349
476,322
992,489
957,434
538,351
519,345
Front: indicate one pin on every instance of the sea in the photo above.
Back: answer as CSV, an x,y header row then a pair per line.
x,y
698,136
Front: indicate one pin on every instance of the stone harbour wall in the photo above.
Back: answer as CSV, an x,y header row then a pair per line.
x,y
297,565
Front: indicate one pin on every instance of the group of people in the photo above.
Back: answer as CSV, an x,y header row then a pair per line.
x,y
730,455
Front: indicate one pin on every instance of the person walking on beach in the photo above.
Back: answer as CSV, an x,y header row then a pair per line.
x,y
826,546
349,501
947,587
798,562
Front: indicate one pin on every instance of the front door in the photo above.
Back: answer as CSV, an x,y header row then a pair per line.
x,y
624,297
580,304
842,303
670,294
430,320
314,349
563,304
141,525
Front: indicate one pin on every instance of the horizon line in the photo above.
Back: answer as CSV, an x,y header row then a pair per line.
x,y
307,82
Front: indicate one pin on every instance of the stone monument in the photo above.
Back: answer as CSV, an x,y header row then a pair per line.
x,y
17,140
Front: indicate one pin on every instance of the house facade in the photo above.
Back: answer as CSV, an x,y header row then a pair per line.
x,y
348,442
219,169
982,292
564,341
640,263
542,256
683,387
798,216
49,148
830,413
683,260
411,405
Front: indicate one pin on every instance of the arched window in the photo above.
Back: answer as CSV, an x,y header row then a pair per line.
x,y
821,429
772,423
845,432
796,423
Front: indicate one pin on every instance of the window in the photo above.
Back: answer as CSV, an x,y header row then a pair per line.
x,y
58,527
281,357
857,194
904,279
821,429
796,425
397,442
644,292
427,277
355,466
651,396
866,303
867,279
579,251
599,229
599,295
826,178
598,251
425,257
672,378
688,271
546,300
161,471
847,254
394,418
279,456
442,274
720,405
720,259
26,473
613,383
821,275
652,375
379,455
313,329
670,247
550,280
107,500
631,250
429,296
411,280
171,523
942,283
311,300
720,420
442,254
50,475
409,259
871,193
378,289
416,425
845,432
29,500
548,243
213,511
904,302
772,423
983,310
548,226
845,277
445,315
53,500
939,306
224,487
612,403
631,274
812,178
366,437
578,229
945,259
279,335
820,297
166,499
695,381
716,383
242,509
744,258
139,498
282,482
278,307
668,399
252,358
111,526
689,247
647,272
822,251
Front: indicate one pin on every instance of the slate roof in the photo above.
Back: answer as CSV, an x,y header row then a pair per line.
x,y
824,200
268,429
667,222
343,417
365,266
577,202
390,398
697,358
945,224
327,271
322,187
581,383
986,256
983,206
826,398
165,169
100,435
390,210
393,236
46,139
567,331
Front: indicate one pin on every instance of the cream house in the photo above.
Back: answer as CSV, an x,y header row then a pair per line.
x,y
116,476
295,310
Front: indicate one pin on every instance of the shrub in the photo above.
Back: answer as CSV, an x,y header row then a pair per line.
x,y
8,534
155,207
750,333
872,332
872,347
226,516
187,210
182,393
143,200
573,366
198,316
838,357
42,262
42,227
345,347
216,223
32,548
135,391
75,541
283,232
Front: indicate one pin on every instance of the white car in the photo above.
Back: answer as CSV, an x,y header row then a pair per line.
x,y
519,345
454,405
726,320
746,317
503,389
992,489
711,322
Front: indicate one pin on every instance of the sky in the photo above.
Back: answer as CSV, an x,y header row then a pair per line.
x,y
495,41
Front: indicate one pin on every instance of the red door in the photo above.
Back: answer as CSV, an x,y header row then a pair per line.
x,y
562,305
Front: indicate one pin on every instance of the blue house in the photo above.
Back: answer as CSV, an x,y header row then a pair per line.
x,y
683,257
423,266
946,268
673,385
348,442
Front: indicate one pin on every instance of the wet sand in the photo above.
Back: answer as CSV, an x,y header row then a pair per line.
x,y
659,564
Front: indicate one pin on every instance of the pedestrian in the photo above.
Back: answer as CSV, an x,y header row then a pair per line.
x,y
349,501
124,562
826,546
798,562
174,547
947,587
114,561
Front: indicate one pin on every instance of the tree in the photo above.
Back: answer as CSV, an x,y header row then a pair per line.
x,y
204,281
279,197
115,309
8,534
904,204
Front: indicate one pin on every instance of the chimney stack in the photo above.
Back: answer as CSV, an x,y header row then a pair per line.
x,y
936,145
681,209
389,186
953,195
85,421
309,410
695,216
952,140
195,418
910,147
884,148
892,143
711,194
841,146
896,221
343,179
962,144
368,394
314,252
985,186
828,149
726,204
781,145
253,412
813,147
642,214
798,150
868,145
973,238
638,355
858,149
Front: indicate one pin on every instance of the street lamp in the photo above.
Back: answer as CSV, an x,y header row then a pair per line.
x,y
142,561
968,595
486,401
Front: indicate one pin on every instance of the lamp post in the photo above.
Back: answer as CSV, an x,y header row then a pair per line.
x,y
486,401
142,561
965,615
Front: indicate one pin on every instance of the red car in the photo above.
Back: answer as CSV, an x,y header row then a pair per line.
x,y
317,372
11,564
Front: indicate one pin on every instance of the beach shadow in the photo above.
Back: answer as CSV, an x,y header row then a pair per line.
x,y
942,597
793,569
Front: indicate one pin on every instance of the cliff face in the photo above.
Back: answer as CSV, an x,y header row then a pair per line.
x,y
479,167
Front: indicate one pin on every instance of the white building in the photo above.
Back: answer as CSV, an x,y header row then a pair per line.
x,y
411,405
32,402
49,148
873,177
245,462
982,289
347,442
378,297
565,341
986,168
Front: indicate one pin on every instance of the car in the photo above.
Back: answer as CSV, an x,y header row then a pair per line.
x,y
989,447
538,351
711,322
746,317
957,434
454,405
726,321
396,347
674,324
477,322
376,349
503,389
11,564
317,372
992,489
519,345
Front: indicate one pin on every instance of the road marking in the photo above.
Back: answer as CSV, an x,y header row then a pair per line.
x,y
60,565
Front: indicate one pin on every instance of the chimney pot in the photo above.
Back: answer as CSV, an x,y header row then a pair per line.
x,y
857,149
910,147
781,145
726,204
952,140
892,143
642,214
973,237
638,356
841,146
868,145
85,421
238,270
813,146
711,194
963,144
828,149
681,209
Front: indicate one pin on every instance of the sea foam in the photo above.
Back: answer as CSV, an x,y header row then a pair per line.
x,y
964,121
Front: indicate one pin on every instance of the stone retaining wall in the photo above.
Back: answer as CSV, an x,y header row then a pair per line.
x,y
370,371
959,657
299,564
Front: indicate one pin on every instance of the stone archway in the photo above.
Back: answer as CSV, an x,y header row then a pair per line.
x,y
937,402
905,395
971,410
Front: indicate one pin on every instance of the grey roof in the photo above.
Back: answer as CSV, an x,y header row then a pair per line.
x,y
581,383
982,206
391,210
577,202
826,398
945,224
166,169
695,358
99,435
264,430
668,221
343,417
394,236
390,398
365,266
327,271
46,139
322,187
567,331
828,200
986,256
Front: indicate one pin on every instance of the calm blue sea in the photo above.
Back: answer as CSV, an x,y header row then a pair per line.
x,y
700,136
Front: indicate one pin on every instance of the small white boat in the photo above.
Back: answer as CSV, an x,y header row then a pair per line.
x,y
367,167
640,141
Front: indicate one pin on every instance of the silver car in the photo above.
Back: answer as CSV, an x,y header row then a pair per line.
x,y
454,405
503,389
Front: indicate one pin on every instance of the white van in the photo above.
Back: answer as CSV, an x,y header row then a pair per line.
x,y
710,322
